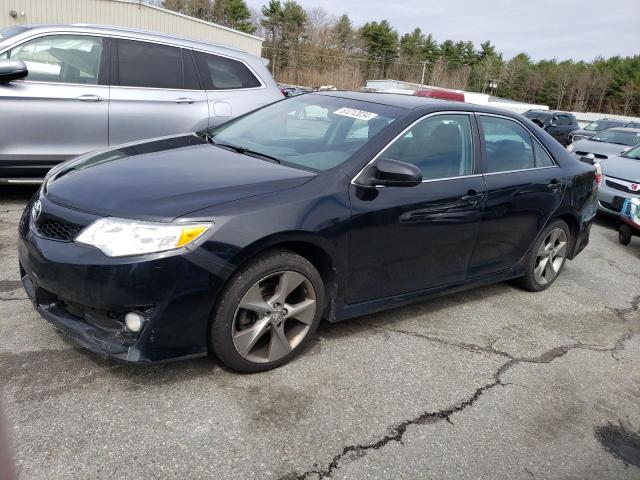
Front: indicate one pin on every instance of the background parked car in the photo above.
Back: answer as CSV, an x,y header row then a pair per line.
x,y
596,127
620,180
557,124
90,87
611,142
441,94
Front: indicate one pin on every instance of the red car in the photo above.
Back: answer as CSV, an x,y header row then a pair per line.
x,y
441,94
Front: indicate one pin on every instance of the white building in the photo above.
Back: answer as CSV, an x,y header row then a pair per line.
x,y
124,13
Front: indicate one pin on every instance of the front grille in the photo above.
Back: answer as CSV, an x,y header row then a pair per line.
x,y
63,231
610,206
622,188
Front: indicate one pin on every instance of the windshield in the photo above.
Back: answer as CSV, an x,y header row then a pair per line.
x,y
634,153
600,125
314,132
618,137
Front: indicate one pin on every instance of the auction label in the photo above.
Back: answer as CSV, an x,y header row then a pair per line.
x,y
355,113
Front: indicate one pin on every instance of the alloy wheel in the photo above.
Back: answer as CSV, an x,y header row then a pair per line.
x,y
550,257
274,316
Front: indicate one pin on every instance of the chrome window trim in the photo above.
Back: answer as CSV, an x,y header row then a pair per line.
x,y
535,139
424,117
522,170
137,39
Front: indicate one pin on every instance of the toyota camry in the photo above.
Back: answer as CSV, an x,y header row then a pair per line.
x,y
239,240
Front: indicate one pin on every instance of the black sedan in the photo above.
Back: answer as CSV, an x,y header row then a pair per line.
x,y
239,240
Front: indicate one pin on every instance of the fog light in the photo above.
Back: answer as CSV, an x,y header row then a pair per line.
x,y
134,321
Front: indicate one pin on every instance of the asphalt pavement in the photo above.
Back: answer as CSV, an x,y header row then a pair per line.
x,y
491,383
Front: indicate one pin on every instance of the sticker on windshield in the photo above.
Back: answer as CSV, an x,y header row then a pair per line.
x,y
355,113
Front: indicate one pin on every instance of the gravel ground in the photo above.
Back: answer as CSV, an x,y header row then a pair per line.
x,y
492,383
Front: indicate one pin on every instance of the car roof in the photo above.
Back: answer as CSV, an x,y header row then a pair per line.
x,y
139,34
549,112
623,129
605,119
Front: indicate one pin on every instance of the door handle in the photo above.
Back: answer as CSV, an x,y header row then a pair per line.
x,y
185,100
472,198
554,185
90,98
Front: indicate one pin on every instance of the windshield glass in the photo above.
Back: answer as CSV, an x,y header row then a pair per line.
x,y
600,125
633,153
314,132
618,136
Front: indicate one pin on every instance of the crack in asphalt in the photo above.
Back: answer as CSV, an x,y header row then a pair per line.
x,y
634,305
397,431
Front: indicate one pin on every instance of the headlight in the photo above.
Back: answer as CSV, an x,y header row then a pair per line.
x,y
117,237
570,147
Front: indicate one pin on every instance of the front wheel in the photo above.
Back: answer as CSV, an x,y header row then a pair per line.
x,y
625,234
267,313
547,257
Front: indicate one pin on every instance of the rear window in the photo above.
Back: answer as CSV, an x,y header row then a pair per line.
x,y
600,125
619,137
542,116
222,73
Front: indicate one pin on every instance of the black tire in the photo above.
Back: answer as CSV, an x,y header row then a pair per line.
x,y
221,327
529,281
625,234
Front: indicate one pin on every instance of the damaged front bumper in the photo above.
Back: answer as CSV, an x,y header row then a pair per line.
x,y
86,295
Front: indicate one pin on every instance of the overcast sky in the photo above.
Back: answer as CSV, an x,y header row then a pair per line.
x,y
562,29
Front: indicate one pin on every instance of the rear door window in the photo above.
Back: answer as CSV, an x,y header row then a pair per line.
x,y
149,65
222,73
508,145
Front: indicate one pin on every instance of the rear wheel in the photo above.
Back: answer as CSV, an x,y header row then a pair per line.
x,y
545,260
267,313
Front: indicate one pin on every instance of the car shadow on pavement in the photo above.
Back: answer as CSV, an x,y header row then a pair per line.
x,y
16,193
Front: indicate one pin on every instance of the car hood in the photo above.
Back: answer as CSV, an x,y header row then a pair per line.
x,y
622,168
598,148
165,178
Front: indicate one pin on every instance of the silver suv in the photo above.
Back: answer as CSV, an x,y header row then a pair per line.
x,y
66,90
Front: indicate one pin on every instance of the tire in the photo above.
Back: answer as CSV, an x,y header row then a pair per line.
x,y
540,274
625,234
258,314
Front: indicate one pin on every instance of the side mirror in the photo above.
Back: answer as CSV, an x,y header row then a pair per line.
x,y
11,70
386,172
553,122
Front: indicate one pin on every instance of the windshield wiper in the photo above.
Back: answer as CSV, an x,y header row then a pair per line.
x,y
242,150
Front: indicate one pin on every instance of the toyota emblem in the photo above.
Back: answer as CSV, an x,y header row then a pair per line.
x,y
36,210
635,187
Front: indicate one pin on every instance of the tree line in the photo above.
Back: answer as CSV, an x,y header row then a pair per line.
x,y
313,48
